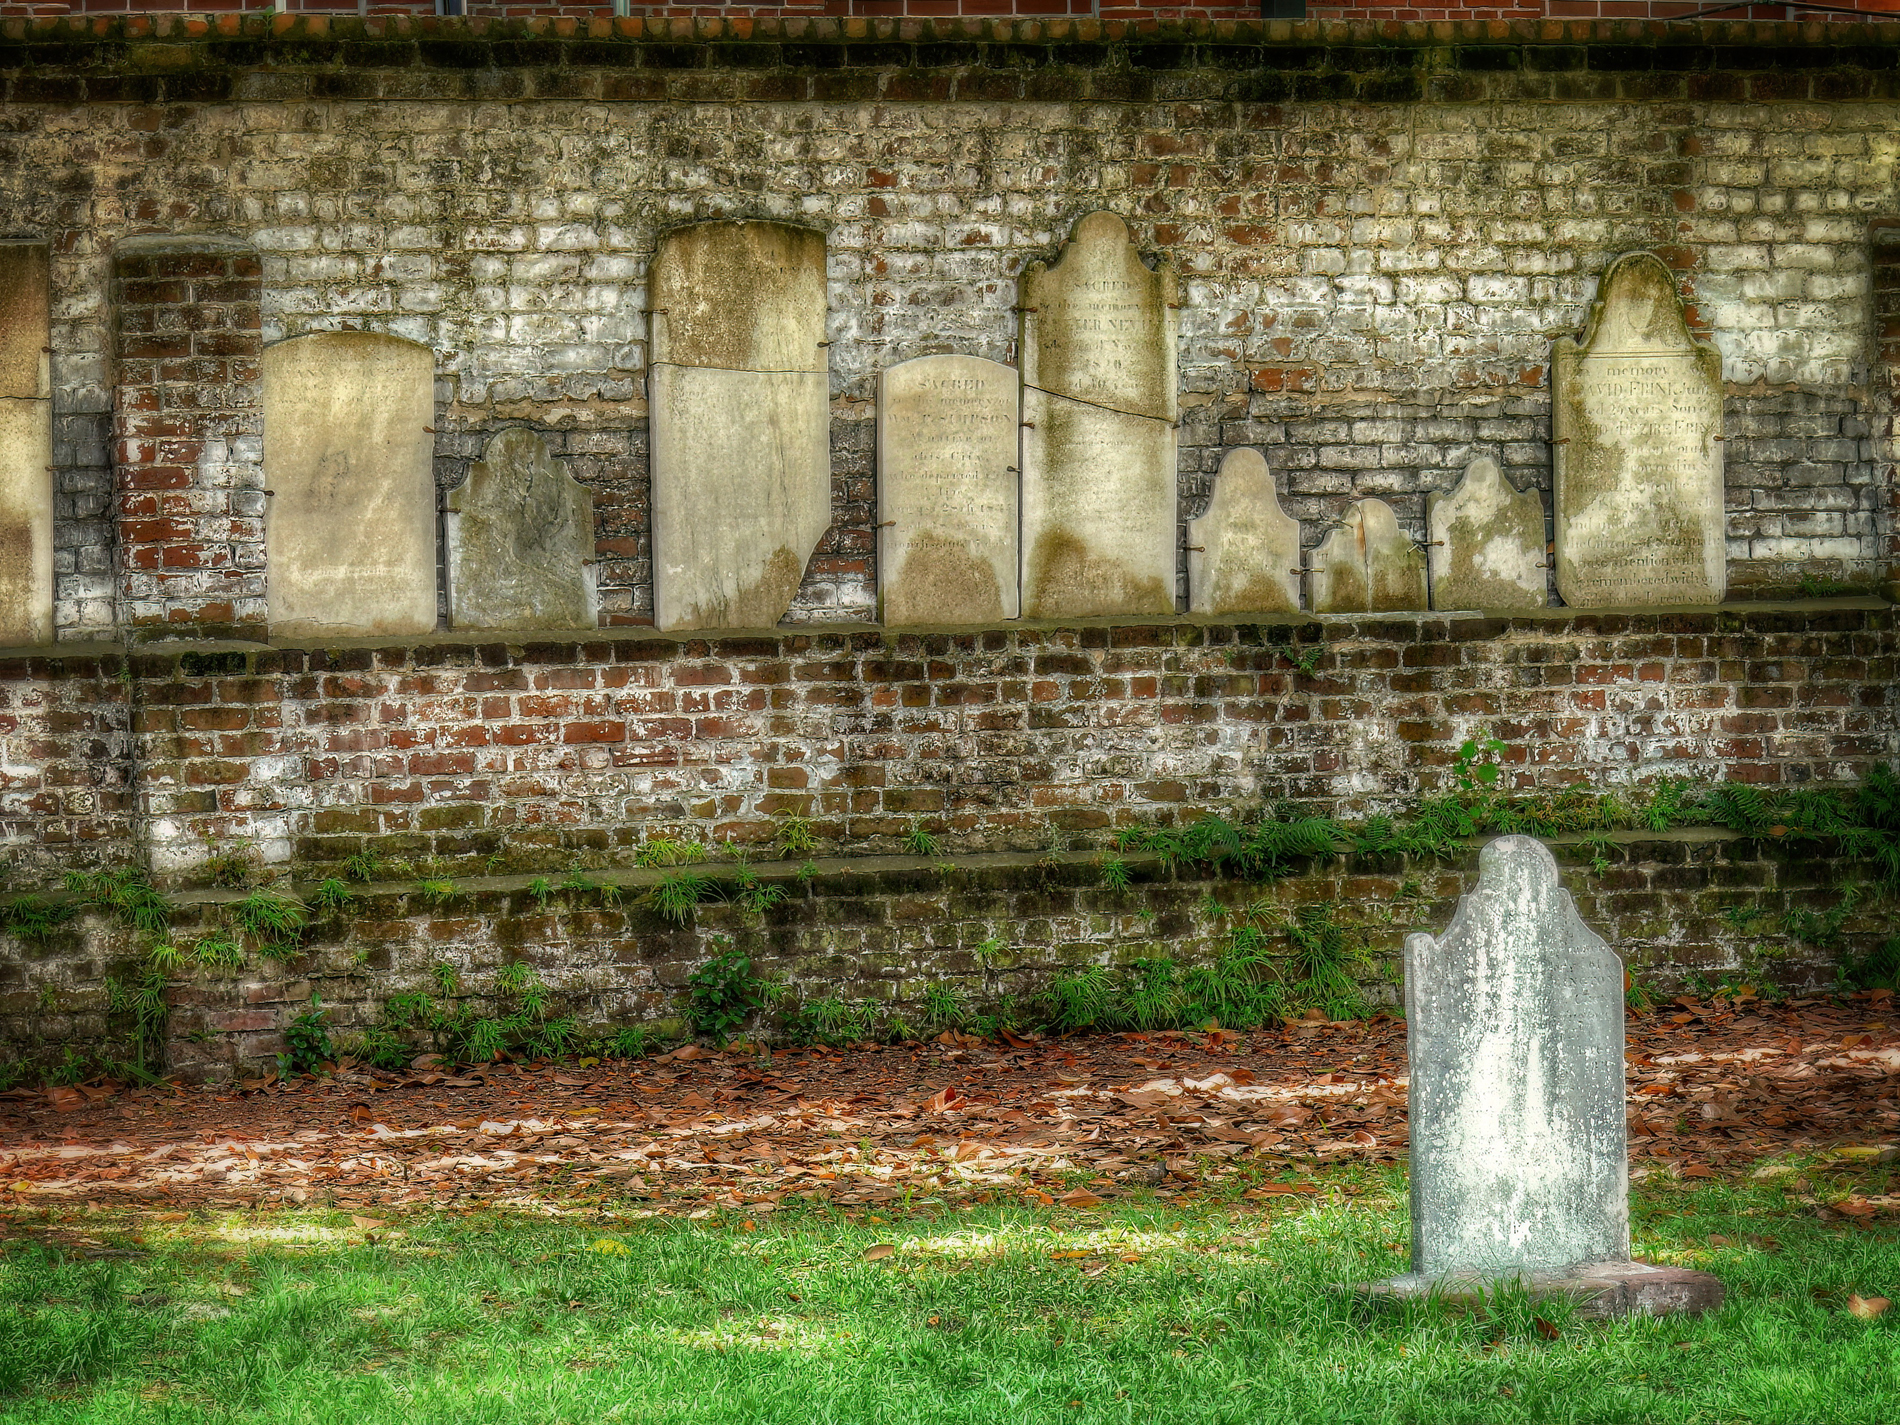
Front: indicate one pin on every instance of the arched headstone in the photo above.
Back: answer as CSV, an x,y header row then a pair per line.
x,y
1367,564
1486,548
1244,552
520,535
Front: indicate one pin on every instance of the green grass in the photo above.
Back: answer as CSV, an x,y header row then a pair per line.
x,y
1220,1313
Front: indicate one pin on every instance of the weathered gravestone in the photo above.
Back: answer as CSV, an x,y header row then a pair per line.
x,y
1099,492
1636,414
1519,1164
1244,552
520,536
348,457
1486,543
946,491
1366,565
26,445
739,405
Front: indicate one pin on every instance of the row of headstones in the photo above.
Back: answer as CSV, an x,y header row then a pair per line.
x,y
1047,491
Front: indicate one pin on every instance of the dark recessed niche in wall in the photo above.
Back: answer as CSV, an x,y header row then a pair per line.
x,y
1283,9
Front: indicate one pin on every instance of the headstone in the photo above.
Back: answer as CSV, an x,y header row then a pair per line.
x,y
1244,551
739,405
1366,565
1636,413
1519,1166
1486,543
1100,507
520,537
946,491
26,445
350,529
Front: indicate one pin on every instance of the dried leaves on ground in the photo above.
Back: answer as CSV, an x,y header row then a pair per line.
x,y
1080,1121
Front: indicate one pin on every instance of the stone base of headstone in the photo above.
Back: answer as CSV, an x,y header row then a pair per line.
x,y
1596,1290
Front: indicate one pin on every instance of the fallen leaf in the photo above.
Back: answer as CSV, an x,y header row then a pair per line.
x,y
1545,1329
1867,1308
607,1247
878,1252
368,1221
943,1099
1081,1197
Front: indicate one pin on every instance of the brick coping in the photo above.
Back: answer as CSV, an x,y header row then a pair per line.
x,y
169,31
1385,624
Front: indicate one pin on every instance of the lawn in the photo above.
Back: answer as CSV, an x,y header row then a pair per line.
x,y
1217,1310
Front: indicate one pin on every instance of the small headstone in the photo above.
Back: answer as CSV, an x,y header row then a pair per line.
x,y
1244,552
946,491
1519,1166
1366,565
348,455
739,406
26,445
520,536
1636,414
1486,543
1099,496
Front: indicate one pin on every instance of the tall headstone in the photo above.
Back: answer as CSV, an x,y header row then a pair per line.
x,y
1366,565
1099,491
946,491
520,537
1636,414
348,455
26,445
1486,543
1514,1036
738,396
1244,552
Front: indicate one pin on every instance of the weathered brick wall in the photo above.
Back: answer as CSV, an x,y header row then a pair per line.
x,y
884,931
188,436
1381,230
524,755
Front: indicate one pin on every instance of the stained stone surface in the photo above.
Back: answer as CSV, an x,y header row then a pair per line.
x,y
520,536
1244,552
738,401
1514,1032
1099,516
1636,413
946,491
1487,542
350,530
26,446
1366,565
1595,1290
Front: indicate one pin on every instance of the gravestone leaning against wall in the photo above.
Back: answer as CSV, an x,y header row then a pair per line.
x,y
1636,416
1099,491
348,456
1367,565
946,491
1486,543
520,538
26,444
1244,551
739,404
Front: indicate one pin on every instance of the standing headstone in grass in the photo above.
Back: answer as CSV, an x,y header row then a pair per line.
x,y
1519,1160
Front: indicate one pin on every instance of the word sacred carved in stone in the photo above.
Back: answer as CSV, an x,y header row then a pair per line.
x,y
1636,415
520,537
1244,552
1099,501
26,444
947,491
738,395
349,457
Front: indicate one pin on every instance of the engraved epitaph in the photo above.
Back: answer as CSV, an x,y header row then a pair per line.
x,y
520,537
1514,1032
1244,552
739,404
1486,543
350,529
1637,419
946,481
26,445
1099,496
1366,565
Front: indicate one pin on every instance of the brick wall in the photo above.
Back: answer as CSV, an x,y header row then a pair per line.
x,y
188,428
524,756
1381,234
886,930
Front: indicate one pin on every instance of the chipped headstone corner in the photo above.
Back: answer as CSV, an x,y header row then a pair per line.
x,y
1520,1160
